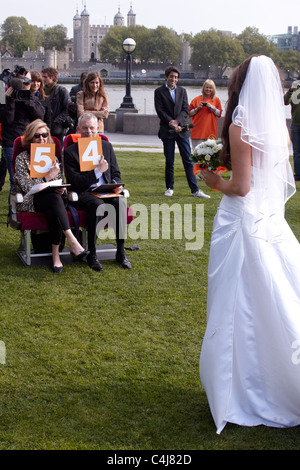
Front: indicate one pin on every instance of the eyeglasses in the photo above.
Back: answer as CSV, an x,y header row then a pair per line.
x,y
43,134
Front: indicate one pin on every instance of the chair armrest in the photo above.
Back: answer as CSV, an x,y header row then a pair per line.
x,y
72,196
14,199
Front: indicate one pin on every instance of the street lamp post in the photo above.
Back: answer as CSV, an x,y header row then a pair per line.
x,y
128,46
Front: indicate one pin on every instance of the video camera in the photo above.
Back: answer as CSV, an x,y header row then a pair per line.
x,y
295,86
7,74
185,128
17,84
11,79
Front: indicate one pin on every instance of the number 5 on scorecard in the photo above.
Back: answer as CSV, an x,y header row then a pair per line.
x,y
42,157
90,153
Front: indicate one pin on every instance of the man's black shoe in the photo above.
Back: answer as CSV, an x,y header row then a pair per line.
x,y
122,259
93,263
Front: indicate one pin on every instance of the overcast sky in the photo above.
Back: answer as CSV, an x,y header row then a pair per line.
x,y
190,16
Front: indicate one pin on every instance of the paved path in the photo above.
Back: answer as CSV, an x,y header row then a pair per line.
x,y
143,143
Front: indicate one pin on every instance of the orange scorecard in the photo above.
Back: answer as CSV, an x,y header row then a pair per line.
x,y
42,157
90,152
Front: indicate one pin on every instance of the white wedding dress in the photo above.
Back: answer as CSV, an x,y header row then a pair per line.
x,y
250,356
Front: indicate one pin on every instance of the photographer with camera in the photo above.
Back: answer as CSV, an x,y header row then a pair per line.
x,y
204,111
20,109
59,99
292,97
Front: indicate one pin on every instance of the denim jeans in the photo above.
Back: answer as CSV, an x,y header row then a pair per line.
x,y
185,151
7,152
295,136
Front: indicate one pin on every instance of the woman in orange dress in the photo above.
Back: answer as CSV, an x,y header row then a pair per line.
x,y
204,111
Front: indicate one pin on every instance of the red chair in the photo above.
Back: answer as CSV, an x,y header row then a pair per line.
x,y
28,222
69,140
72,138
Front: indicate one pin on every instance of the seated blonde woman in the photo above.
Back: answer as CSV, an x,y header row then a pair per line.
x,y
50,201
93,99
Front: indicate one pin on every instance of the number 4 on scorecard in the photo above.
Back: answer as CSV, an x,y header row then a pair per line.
x,y
90,153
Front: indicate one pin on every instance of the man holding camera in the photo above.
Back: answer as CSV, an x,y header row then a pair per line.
x,y
172,108
292,97
20,109
59,99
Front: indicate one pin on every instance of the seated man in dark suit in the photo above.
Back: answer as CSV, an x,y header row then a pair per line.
x,y
83,182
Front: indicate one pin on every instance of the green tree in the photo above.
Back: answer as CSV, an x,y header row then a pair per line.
x,y
56,36
214,48
289,61
255,43
38,34
159,45
141,35
18,34
110,47
163,45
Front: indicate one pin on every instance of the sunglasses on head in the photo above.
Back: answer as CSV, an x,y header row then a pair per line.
x,y
43,134
26,81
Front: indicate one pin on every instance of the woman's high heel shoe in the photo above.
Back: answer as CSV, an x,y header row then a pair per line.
x,y
57,269
79,257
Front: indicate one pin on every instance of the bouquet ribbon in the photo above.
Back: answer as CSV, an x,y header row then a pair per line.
x,y
197,168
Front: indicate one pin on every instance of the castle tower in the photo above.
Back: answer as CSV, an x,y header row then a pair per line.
x,y
119,19
131,17
85,35
86,38
77,36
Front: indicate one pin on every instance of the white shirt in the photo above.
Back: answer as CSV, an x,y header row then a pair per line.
x,y
172,92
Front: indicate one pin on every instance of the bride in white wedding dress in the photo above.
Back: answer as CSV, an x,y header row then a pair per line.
x,y
250,356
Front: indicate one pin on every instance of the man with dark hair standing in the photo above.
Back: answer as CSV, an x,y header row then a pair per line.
x,y
59,99
172,108
75,89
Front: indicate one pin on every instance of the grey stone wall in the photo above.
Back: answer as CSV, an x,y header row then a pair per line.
x,y
144,124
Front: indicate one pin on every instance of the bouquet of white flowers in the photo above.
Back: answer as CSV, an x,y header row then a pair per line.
x,y
206,156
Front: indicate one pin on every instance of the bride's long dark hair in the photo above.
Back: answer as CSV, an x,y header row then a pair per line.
x,y
234,87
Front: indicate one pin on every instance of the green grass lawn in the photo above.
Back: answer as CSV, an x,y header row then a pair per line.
x,y
109,361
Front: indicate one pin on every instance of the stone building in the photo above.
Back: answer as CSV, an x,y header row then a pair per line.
x,y
36,60
86,37
289,41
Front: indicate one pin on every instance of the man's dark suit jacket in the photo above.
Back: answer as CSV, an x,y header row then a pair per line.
x,y
82,180
167,110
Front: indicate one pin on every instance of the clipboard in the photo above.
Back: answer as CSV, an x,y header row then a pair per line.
x,y
107,188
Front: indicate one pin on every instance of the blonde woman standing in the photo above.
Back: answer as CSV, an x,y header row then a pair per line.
x,y
204,111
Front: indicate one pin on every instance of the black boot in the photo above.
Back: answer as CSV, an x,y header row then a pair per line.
x,y
93,262
121,257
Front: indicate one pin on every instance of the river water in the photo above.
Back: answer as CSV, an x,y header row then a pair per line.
x,y
143,97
